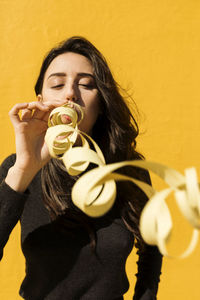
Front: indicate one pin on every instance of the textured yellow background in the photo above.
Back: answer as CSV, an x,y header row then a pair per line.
x,y
153,48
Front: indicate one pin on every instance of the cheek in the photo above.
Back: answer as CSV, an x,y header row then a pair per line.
x,y
45,94
92,110
50,96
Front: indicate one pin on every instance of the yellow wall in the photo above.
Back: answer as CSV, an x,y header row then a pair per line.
x,y
153,49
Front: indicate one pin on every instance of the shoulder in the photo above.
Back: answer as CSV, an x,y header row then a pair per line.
x,y
6,165
9,161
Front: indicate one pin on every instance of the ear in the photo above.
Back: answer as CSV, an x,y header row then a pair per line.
x,y
39,97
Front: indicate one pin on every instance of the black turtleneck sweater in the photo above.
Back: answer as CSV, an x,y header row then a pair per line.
x,y
60,265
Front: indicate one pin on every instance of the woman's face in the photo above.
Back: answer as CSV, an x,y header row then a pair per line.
x,y
70,77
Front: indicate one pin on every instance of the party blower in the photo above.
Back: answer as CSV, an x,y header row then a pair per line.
x,y
95,191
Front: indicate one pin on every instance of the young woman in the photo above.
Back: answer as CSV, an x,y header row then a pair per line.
x,y
69,255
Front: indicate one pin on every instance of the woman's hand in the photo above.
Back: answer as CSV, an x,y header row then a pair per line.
x,y
31,151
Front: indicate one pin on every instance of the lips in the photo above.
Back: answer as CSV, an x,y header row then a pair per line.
x,y
79,110
66,119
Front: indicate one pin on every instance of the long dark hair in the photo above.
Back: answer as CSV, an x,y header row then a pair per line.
x,y
115,131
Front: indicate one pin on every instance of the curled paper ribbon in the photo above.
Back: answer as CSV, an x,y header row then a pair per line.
x,y
95,191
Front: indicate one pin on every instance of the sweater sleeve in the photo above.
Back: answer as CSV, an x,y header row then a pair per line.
x,y
148,275
11,204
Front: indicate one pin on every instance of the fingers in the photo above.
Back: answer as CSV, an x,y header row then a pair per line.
x,y
27,111
37,105
14,112
44,114
51,105
37,109
26,114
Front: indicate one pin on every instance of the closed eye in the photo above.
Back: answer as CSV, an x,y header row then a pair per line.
x,y
87,86
57,86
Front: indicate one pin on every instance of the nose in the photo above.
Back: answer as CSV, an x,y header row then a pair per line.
x,y
70,93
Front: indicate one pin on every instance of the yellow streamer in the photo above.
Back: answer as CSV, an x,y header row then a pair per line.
x,y
95,191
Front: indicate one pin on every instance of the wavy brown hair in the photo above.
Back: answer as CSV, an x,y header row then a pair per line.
x,y
115,131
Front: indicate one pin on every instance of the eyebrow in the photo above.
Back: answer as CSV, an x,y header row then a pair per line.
x,y
59,74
